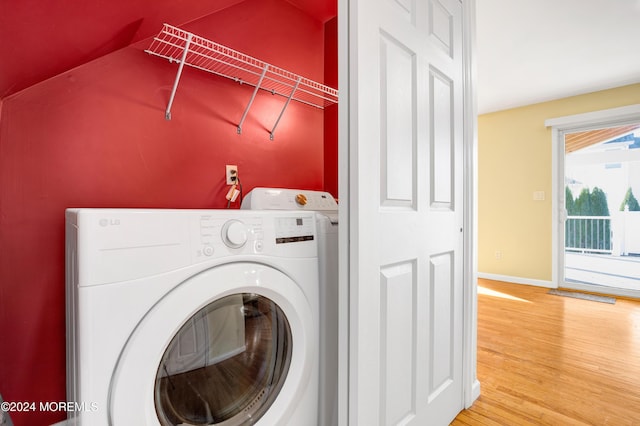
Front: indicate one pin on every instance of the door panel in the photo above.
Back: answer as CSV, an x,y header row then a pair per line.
x,y
407,212
398,286
443,336
442,142
397,132
441,29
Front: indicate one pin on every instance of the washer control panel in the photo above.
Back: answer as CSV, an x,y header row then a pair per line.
x,y
294,229
219,235
125,244
249,234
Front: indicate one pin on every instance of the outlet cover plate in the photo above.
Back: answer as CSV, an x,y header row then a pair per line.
x,y
231,173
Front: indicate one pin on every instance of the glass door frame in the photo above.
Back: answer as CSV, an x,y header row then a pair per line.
x,y
559,128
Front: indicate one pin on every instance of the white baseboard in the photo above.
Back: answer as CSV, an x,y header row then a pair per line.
x,y
475,393
611,291
517,280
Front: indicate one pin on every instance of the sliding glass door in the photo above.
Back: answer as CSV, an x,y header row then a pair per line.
x,y
601,223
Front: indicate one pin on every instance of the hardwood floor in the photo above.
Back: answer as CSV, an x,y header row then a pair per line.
x,y
552,360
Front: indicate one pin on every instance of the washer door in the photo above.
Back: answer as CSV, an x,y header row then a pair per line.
x,y
229,346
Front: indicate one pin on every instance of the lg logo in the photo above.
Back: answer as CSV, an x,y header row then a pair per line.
x,y
109,222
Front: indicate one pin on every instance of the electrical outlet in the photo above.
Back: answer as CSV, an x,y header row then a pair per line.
x,y
232,174
498,255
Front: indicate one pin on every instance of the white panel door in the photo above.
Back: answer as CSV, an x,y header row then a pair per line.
x,y
406,211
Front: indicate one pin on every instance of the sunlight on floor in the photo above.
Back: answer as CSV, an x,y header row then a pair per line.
x,y
635,329
489,292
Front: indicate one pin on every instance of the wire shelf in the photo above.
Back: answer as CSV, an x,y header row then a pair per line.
x,y
186,48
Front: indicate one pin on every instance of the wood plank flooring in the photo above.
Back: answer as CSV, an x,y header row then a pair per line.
x,y
552,360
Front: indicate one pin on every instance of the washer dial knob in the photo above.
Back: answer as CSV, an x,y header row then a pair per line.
x,y
301,200
234,234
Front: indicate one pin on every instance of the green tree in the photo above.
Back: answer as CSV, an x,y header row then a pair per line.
x,y
583,203
630,200
588,234
569,201
598,203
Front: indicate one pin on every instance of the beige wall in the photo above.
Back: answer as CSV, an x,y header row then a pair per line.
x,y
514,155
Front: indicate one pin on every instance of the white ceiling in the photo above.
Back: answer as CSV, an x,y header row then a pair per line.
x,y
531,51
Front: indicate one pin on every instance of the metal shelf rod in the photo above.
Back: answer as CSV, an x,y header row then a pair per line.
x,y
253,96
167,113
286,104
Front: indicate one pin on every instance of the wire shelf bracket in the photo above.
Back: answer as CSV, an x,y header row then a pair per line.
x,y
186,48
253,96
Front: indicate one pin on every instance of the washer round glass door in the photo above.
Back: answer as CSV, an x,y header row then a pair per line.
x,y
226,364
235,344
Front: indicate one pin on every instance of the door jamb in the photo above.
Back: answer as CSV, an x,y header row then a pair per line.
x,y
470,383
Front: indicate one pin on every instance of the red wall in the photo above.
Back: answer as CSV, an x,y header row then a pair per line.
x,y
97,137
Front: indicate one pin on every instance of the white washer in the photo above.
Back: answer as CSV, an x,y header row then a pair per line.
x,y
192,317
326,208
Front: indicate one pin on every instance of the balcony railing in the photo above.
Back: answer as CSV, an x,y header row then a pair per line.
x,y
588,234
